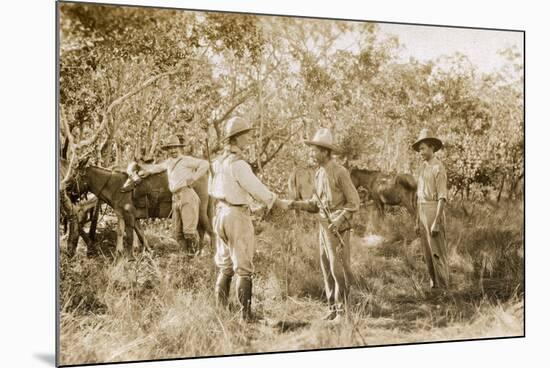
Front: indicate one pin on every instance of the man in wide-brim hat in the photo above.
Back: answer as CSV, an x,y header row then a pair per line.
x,y
182,171
234,185
432,196
334,192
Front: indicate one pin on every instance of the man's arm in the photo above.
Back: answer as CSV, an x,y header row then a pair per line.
x,y
149,169
199,165
352,199
306,205
250,183
350,193
441,187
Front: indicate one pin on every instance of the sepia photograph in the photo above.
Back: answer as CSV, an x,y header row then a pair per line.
x,y
237,183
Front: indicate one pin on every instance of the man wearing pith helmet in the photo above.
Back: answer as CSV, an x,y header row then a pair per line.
x,y
336,199
234,185
432,196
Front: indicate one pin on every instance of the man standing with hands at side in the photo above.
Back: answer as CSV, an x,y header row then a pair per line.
x,y
432,196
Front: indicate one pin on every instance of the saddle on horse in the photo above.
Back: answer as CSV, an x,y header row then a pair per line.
x,y
150,194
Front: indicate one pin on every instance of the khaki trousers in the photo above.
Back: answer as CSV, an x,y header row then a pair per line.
x,y
435,247
335,264
185,212
235,241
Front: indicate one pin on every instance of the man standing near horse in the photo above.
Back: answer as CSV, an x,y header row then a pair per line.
x,y
234,185
182,171
336,199
432,196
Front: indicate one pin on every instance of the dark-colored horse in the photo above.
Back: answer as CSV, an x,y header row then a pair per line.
x,y
387,189
151,199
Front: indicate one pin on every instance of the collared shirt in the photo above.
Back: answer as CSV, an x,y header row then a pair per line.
x,y
335,189
432,181
234,182
182,171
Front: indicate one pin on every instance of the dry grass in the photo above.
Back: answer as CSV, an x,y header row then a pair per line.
x,y
161,305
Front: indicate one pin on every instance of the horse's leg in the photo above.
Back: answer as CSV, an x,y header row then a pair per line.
x,y
94,217
380,207
201,232
141,236
74,234
210,230
409,204
120,234
129,220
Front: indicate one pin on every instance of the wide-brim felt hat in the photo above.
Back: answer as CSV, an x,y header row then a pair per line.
x,y
173,141
235,126
427,136
322,138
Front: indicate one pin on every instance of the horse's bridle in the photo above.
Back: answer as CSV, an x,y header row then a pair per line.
x,y
78,176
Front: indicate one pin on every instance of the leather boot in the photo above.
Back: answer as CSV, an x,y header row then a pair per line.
x,y
244,295
223,284
340,314
192,244
331,314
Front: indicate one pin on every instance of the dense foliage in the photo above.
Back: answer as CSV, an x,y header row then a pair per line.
x,y
130,77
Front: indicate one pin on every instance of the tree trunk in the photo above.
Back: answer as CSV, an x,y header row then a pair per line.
x,y
260,102
67,208
501,187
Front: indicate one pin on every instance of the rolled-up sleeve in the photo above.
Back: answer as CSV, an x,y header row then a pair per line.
x,y
242,172
441,182
155,168
350,192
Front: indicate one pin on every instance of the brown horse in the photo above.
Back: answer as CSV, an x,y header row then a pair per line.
x,y
151,199
387,189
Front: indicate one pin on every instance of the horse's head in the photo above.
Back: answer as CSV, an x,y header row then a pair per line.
x,y
79,176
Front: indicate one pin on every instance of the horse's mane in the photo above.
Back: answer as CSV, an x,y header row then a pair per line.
x,y
363,171
100,168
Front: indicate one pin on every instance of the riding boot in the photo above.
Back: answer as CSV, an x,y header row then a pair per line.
x,y
244,296
340,314
331,314
223,284
180,239
192,244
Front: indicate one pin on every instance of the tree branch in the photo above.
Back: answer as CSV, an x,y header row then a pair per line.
x,y
119,100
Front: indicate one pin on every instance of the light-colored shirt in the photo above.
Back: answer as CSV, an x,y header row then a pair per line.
x,y
432,181
234,182
182,171
335,189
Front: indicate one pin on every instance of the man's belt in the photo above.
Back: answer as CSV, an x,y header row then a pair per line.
x,y
232,204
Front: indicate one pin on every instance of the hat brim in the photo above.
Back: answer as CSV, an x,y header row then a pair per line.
x,y
167,146
319,144
237,132
434,141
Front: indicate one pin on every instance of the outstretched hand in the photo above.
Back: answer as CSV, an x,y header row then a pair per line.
x,y
284,204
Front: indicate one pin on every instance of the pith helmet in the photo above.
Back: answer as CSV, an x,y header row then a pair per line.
x,y
234,126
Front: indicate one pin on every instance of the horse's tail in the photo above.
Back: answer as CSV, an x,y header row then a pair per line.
x,y
407,181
